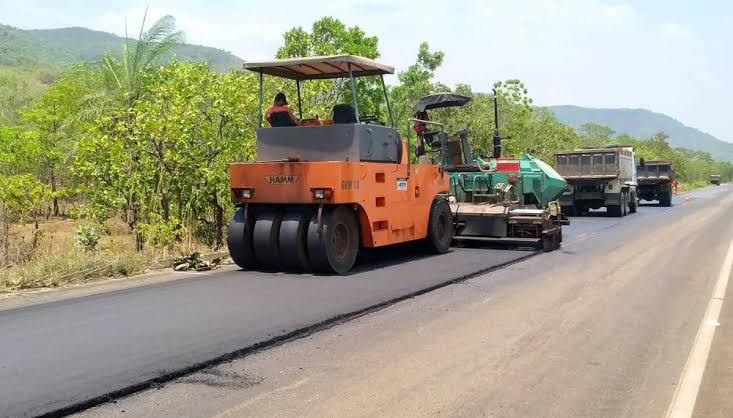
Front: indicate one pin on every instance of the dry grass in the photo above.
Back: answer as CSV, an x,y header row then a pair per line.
x,y
73,267
55,260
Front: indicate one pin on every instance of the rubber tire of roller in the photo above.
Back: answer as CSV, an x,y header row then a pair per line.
x,y
321,248
440,227
265,240
239,240
293,236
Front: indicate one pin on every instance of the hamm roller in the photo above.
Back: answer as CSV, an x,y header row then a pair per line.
x,y
319,192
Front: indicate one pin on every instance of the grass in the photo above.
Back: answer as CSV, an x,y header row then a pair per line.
x,y
73,267
56,261
688,186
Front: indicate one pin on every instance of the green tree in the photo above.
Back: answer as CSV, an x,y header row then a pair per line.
x,y
415,82
167,156
125,87
57,117
329,36
595,134
125,74
21,194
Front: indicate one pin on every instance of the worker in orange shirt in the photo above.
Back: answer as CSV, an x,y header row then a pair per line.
x,y
279,114
675,186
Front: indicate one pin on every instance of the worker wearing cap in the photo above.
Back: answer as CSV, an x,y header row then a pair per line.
x,y
280,104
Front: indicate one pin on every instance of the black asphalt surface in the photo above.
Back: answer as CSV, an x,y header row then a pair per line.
x,y
59,354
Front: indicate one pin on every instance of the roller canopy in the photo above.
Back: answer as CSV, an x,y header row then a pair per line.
x,y
321,67
438,100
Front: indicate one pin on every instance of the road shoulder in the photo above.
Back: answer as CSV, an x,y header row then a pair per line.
x,y
714,398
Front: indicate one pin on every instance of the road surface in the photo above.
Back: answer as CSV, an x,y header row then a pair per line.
x,y
604,327
548,327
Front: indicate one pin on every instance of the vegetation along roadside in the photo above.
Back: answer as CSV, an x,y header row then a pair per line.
x,y
108,166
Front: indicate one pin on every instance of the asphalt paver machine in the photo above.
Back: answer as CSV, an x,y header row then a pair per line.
x,y
502,200
317,194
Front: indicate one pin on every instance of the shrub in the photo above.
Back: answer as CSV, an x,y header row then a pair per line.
x,y
86,238
161,233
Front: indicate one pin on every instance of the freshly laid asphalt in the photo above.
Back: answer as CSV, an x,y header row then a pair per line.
x,y
57,355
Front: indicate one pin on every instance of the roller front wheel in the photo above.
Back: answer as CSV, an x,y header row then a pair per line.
x,y
265,239
239,239
334,248
292,240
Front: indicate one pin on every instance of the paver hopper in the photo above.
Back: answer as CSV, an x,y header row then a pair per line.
x,y
502,200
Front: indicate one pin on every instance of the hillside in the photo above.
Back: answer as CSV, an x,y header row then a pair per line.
x,y
55,48
643,123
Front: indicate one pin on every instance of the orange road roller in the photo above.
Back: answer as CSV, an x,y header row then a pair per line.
x,y
320,192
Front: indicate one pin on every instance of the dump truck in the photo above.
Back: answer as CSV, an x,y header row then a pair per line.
x,y
654,179
320,192
507,201
715,179
598,177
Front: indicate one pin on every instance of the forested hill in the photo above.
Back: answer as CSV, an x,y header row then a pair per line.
x,y
643,123
55,48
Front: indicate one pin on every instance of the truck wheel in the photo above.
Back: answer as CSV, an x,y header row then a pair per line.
x,y
614,211
633,203
440,227
570,210
665,200
623,204
335,247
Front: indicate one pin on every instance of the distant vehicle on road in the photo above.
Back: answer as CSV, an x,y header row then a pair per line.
x,y
715,179
654,180
598,177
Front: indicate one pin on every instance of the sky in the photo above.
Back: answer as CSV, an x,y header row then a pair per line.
x,y
673,57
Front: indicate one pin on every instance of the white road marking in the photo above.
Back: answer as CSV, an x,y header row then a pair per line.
x,y
683,402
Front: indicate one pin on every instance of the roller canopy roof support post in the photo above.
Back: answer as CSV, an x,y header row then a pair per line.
x,y
319,68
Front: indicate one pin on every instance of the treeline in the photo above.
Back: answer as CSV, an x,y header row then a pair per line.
x,y
692,167
150,144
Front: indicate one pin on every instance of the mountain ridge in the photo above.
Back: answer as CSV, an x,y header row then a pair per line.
x,y
56,48
643,123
